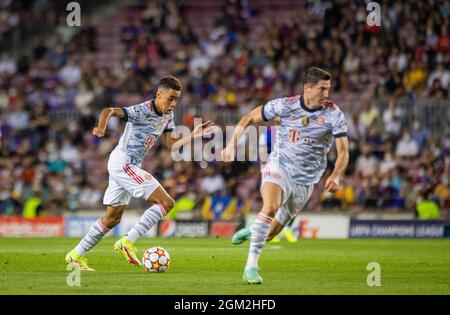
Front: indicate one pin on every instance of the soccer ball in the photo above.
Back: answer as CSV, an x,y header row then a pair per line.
x,y
156,259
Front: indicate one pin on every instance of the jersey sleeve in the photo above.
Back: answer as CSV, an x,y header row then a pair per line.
x,y
278,107
137,113
340,126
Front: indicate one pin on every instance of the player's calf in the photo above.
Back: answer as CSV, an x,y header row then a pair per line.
x,y
167,204
113,216
110,222
162,199
162,204
275,229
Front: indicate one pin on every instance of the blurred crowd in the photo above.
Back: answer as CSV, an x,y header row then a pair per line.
x,y
50,98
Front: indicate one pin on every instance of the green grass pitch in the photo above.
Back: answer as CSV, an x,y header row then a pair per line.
x,y
214,266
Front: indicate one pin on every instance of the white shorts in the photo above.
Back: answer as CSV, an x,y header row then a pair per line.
x,y
126,180
294,197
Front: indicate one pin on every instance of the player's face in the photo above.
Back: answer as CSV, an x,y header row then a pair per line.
x,y
167,99
318,93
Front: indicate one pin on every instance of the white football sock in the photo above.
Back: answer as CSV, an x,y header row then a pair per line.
x,y
150,217
260,230
92,237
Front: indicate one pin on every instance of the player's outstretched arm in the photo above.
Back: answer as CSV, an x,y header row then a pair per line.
x,y
174,143
107,113
253,117
332,182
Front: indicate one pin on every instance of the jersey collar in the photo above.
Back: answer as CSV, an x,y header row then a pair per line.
x,y
155,108
302,104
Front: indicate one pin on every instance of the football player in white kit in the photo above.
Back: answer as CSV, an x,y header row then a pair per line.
x,y
146,122
309,125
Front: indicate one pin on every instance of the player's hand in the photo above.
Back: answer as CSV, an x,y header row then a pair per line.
x,y
204,129
332,184
228,153
99,132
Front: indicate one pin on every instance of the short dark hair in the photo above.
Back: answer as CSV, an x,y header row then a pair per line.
x,y
313,75
170,82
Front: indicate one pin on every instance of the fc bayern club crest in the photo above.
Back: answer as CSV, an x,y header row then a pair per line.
x,y
305,120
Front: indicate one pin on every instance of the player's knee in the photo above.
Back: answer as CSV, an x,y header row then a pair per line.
x,y
270,209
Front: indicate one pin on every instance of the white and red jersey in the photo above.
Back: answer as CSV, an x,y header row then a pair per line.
x,y
145,124
304,137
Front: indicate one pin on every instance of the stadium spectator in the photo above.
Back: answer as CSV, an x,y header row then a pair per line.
x,y
427,209
436,92
420,134
392,116
70,74
33,206
9,205
415,78
442,192
407,147
366,164
367,116
212,182
442,74
387,165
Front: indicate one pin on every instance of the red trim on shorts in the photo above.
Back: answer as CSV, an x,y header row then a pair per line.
x,y
132,174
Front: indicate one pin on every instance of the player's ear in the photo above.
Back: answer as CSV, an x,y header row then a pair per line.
x,y
308,86
158,93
